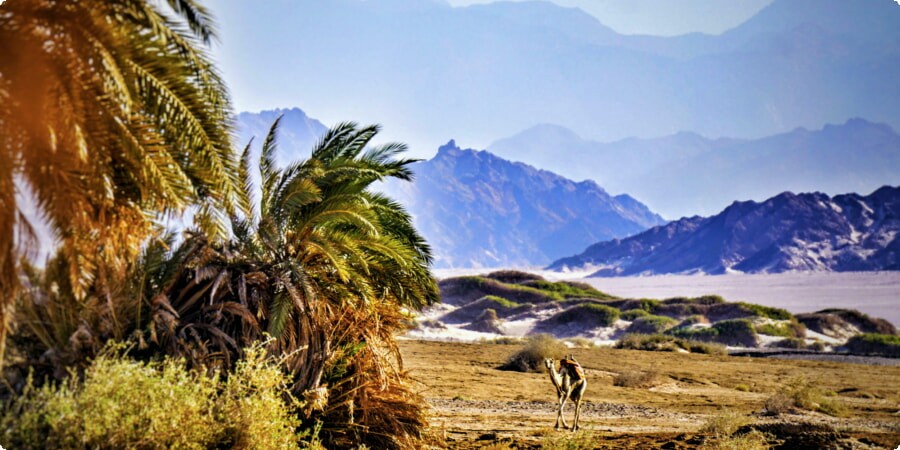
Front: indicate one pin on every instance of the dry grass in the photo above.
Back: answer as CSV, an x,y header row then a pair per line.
x,y
581,440
724,423
798,394
636,379
122,403
531,358
753,440
581,342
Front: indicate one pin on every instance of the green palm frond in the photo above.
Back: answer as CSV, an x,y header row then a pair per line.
x,y
111,112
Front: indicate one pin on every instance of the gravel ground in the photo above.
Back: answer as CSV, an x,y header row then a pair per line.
x,y
830,357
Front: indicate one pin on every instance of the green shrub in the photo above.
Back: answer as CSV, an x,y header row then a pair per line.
x,y
706,348
500,301
647,304
666,343
791,342
791,329
531,358
462,290
651,324
693,320
767,311
568,289
122,403
702,300
513,276
632,314
600,315
728,332
875,344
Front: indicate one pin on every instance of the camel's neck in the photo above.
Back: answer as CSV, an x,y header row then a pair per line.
x,y
555,378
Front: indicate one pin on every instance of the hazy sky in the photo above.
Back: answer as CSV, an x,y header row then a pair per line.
x,y
244,25
661,17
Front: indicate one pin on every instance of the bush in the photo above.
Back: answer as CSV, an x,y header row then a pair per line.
x,y
472,310
636,379
651,324
569,289
818,346
725,423
589,313
738,332
503,340
513,276
580,440
694,320
800,394
665,343
462,290
837,322
864,322
632,314
531,358
581,342
875,344
645,304
791,329
767,311
791,343
122,403
752,440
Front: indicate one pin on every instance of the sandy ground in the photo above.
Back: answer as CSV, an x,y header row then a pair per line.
x,y
476,405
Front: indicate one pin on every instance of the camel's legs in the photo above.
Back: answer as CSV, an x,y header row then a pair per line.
x,y
559,414
577,413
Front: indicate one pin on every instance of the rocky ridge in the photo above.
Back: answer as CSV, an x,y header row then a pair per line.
x,y
788,232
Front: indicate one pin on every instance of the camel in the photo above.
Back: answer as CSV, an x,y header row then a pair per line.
x,y
570,383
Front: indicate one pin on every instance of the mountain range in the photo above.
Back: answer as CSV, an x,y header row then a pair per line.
x,y
788,232
297,132
479,210
686,174
423,67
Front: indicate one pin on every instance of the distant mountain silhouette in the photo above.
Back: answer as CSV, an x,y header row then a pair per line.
x,y
788,232
685,174
479,210
422,68
296,137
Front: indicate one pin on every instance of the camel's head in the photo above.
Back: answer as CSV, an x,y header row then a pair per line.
x,y
548,362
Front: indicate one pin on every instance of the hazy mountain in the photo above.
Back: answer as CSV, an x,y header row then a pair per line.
x,y
494,69
296,137
788,232
686,174
479,210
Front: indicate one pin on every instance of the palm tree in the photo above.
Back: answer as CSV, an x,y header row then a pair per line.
x,y
320,262
110,113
